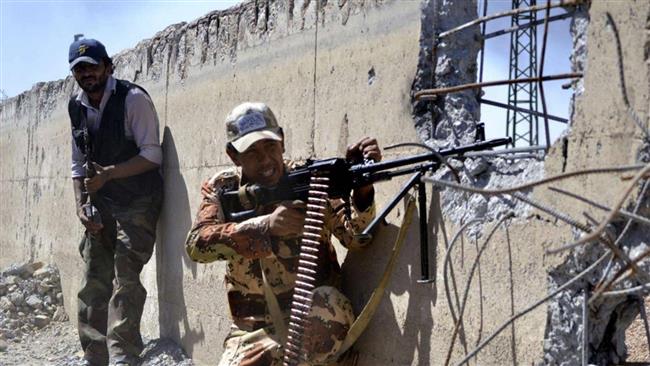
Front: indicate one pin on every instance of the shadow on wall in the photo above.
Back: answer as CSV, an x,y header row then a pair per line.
x,y
171,259
385,338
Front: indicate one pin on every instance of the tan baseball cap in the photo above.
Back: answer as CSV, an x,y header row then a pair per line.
x,y
249,123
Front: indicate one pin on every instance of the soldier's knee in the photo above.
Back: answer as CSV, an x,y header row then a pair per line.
x,y
95,292
328,323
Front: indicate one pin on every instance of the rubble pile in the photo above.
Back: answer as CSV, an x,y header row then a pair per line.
x,y
30,298
34,327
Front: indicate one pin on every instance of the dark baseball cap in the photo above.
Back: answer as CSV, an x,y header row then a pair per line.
x,y
86,50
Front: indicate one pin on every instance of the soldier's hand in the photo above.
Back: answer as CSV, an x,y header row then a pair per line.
x,y
96,183
287,219
90,225
366,148
257,356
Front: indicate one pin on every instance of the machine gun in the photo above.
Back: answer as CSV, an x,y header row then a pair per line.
x,y
246,202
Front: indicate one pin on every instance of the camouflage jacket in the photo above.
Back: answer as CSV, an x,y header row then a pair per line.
x,y
248,246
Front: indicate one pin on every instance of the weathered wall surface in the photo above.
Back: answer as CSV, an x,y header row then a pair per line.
x,y
332,72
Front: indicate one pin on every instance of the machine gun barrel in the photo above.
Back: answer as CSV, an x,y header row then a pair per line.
x,y
385,165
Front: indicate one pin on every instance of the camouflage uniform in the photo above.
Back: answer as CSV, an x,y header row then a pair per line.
x,y
112,298
248,247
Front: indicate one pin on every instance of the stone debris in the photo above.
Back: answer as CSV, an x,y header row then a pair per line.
x,y
35,329
30,296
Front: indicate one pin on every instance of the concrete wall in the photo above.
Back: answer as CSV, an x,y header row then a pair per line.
x,y
332,72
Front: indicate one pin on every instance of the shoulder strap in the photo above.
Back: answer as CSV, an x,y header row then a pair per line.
x,y
274,308
368,311
127,85
77,114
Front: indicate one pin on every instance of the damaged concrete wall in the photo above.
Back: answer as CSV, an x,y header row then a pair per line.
x,y
334,72
515,270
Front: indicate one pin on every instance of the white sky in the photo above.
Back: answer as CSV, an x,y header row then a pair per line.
x,y
35,35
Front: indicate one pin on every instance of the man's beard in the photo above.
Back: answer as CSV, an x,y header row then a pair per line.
x,y
92,88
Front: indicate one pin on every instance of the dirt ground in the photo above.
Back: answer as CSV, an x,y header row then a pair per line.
x,y
638,344
58,345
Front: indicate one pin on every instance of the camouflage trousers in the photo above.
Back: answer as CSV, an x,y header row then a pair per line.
x,y
112,298
327,324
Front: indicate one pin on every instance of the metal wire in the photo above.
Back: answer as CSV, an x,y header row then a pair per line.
x,y
532,307
469,282
527,186
598,231
626,214
567,219
446,267
637,290
622,274
628,225
594,233
494,192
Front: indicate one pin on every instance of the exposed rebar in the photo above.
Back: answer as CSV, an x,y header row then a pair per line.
x,y
626,214
531,308
508,13
469,282
598,231
430,94
494,192
446,267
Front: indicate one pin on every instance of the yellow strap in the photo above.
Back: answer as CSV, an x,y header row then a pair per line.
x,y
274,308
368,311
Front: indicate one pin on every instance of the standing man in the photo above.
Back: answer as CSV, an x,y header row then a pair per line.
x,y
116,154
270,243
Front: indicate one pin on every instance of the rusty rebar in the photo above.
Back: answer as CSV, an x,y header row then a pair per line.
x,y
430,94
526,26
522,110
508,13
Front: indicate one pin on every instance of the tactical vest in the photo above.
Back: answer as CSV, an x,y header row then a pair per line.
x,y
109,146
